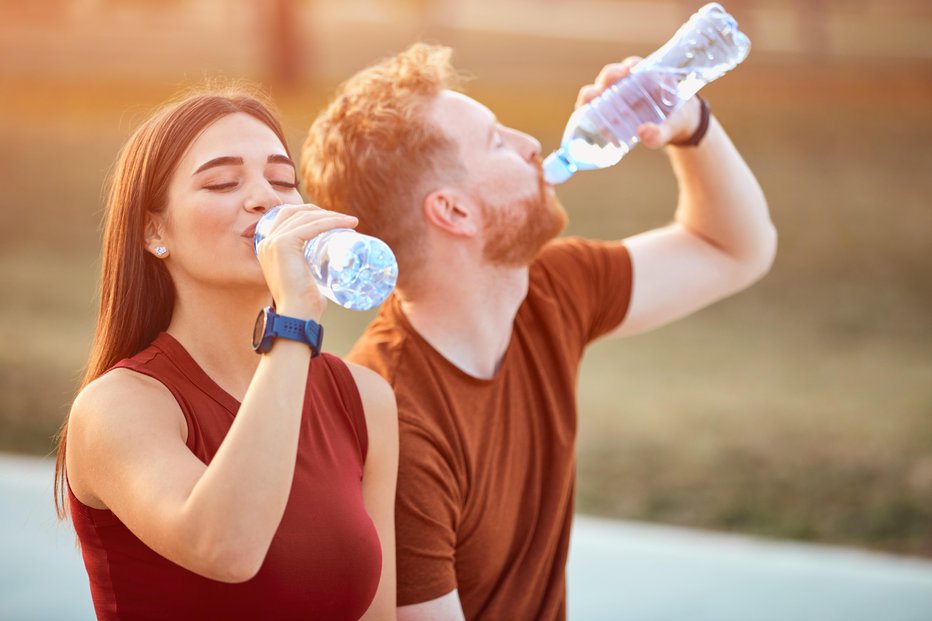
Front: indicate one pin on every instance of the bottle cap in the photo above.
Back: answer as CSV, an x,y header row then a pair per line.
x,y
557,168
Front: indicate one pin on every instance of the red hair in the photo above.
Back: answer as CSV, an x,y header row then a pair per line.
x,y
372,152
136,292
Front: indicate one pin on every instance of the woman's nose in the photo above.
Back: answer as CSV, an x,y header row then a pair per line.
x,y
262,198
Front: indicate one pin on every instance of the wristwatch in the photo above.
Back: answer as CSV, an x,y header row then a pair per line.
x,y
270,326
699,134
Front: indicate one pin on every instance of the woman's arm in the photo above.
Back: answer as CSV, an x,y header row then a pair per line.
x,y
126,448
379,479
127,452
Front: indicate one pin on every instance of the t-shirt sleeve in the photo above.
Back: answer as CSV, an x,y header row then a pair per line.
x,y
427,512
591,281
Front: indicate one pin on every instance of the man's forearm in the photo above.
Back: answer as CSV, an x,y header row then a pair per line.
x,y
721,201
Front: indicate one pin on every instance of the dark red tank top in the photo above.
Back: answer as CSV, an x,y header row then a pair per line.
x,y
325,560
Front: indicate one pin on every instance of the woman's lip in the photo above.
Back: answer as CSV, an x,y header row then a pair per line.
x,y
250,230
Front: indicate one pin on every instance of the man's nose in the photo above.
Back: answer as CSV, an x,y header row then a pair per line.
x,y
528,145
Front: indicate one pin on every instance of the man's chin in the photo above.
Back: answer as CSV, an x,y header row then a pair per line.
x,y
521,250
517,240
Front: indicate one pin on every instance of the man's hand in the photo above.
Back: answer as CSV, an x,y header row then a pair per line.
x,y
680,126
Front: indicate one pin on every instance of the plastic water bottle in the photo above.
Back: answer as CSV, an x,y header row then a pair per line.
x,y
600,133
354,270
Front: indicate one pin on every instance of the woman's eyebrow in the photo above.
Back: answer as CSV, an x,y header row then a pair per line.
x,y
281,159
229,160
226,160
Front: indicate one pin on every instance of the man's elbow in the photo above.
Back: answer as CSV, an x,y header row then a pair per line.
x,y
759,262
769,243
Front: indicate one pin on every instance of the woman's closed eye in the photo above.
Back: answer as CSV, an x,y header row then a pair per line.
x,y
221,186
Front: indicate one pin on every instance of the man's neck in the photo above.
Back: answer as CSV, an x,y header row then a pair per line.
x,y
469,318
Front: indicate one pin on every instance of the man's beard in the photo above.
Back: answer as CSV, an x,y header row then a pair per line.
x,y
516,232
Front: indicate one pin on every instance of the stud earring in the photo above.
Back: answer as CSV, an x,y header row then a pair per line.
x,y
161,252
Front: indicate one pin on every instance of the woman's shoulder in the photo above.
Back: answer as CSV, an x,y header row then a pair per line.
x,y
378,399
120,385
122,401
372,386
117,412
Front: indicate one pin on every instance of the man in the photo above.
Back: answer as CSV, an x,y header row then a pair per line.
x,y
483,338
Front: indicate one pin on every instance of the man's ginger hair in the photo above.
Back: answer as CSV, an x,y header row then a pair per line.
x,y
373,153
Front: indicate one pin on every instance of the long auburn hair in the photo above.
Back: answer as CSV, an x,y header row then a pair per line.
x,y
136,292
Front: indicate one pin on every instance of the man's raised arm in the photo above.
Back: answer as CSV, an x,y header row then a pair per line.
x,y
721,240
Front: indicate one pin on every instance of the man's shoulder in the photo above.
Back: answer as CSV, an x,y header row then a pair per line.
x,y
380,347
390,348
573,248
558,260
577,259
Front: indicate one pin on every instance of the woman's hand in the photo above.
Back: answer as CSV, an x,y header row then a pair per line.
x,y
281,255
679,126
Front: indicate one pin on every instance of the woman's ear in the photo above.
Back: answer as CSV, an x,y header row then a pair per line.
x,y
155,242
452,212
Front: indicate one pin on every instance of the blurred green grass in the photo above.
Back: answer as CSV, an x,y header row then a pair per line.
x,y
801,408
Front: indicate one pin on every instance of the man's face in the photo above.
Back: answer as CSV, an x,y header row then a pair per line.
x,y
502,173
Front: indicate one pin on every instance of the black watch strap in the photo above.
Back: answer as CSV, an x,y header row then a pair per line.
x,y
704,114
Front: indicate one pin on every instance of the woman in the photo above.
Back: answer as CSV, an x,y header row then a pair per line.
x,y
206,481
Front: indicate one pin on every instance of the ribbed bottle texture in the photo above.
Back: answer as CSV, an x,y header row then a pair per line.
x,y
601,132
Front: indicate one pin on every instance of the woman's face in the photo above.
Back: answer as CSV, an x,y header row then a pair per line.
x,y
230,175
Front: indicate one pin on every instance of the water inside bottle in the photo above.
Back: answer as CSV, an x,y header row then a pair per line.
x,y
600,133
355,271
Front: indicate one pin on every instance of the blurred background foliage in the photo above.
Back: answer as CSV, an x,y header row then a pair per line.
x,y
801,408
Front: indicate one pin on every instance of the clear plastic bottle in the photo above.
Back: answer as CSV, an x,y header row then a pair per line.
x,y
354,270
600,133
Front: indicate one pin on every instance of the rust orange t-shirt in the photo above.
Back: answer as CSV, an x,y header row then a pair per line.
x,y
487,467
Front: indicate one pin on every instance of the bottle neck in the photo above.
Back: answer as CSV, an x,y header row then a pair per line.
x,y
558,166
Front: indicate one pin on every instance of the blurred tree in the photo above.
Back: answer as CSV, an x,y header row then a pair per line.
x,y
47,11
286,64
811,19
437,19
